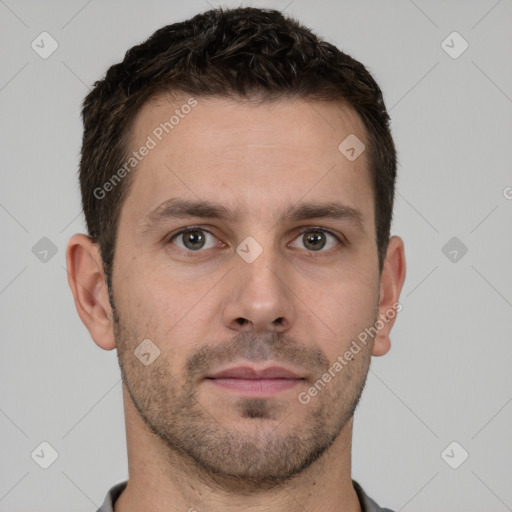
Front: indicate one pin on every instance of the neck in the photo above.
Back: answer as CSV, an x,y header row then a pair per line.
x,y
163,480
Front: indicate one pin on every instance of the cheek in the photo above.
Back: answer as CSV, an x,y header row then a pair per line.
x,y
140,299
346,308
138,279
156,303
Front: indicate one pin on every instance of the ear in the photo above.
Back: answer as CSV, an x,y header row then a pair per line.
x,y
391,282
86,279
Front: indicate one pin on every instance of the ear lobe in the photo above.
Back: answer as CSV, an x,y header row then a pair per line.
x,y
86,279
391,283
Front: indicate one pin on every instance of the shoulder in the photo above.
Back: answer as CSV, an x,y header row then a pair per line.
x,y
111,497
367,504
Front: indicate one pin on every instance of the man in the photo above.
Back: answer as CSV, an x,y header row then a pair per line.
x,y
237,178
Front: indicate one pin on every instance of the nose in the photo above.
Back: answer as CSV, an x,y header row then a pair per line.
x,y
260,295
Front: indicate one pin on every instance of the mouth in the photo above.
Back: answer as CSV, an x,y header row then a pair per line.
x,y
251,381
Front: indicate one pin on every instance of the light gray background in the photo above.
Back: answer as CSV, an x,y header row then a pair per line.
x,y
447,377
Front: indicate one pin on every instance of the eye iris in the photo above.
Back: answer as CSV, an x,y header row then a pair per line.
x,y
315,240
193,239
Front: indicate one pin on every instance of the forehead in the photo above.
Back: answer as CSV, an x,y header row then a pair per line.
x,y
257,155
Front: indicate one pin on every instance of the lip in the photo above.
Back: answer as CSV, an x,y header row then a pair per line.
x,y
248,372
255,382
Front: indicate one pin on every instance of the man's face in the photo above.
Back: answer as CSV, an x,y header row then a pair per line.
x,y
208,306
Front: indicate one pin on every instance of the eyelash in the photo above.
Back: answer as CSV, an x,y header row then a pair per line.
x,y
340,239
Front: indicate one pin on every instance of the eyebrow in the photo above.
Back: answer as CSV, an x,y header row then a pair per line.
x,y
176,208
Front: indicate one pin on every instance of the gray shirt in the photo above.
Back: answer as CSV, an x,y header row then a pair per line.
x,y
367,504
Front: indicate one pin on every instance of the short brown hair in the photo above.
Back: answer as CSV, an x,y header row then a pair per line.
x,y
233,53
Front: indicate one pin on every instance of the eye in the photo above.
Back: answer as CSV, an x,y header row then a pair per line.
x,y
194,239
316,239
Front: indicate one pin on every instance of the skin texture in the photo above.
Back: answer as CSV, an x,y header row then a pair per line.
x,y
191,444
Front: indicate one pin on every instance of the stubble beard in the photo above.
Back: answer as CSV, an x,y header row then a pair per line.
x,y
270,449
